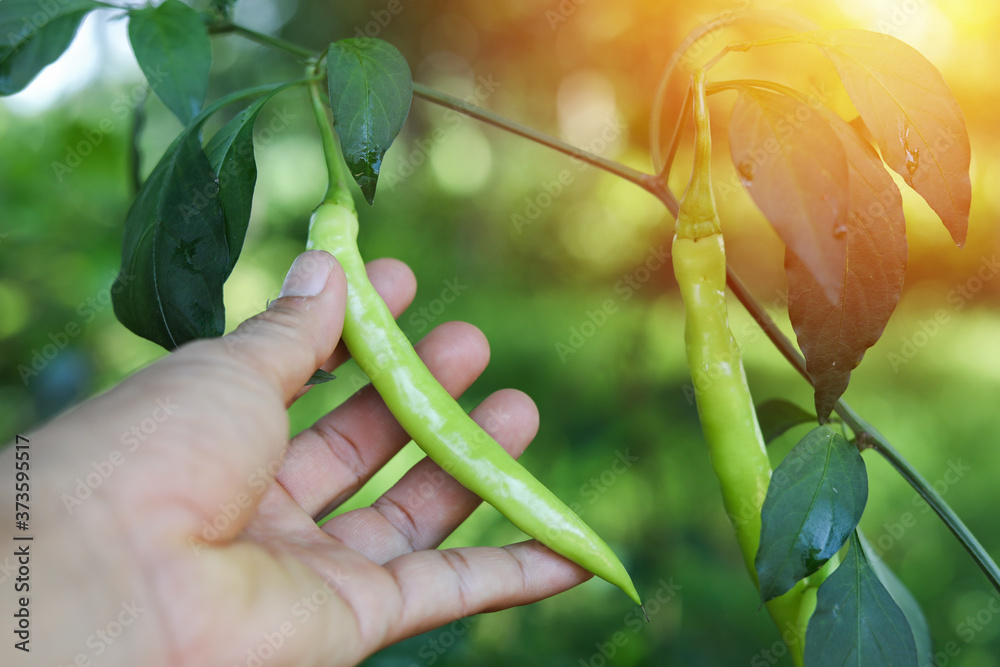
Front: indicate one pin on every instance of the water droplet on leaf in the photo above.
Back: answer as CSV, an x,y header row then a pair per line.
x,y
912,154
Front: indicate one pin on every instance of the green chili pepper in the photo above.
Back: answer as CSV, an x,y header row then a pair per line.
x,y
438,424
724,403
725,406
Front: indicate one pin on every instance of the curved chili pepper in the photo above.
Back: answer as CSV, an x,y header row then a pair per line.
x,y
436,422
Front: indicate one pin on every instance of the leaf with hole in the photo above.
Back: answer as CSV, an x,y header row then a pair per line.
x,y
834,336
33,35
911,112
813,503
776,416
792,164
370,93
856,621
173,49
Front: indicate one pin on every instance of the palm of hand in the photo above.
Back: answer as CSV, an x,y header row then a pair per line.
x,y
213,519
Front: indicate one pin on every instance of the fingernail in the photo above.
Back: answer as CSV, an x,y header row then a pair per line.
x,y
308,274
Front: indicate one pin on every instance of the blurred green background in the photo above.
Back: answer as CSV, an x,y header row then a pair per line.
x,y
465,204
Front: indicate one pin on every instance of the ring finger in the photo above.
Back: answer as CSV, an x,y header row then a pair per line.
x,y
427,504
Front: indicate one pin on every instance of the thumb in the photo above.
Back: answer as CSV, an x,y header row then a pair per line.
x,y
216,408
298,332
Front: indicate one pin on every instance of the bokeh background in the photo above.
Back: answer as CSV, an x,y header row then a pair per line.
x,y
468,205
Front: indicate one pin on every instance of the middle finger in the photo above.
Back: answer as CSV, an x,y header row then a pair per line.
x,y
331,460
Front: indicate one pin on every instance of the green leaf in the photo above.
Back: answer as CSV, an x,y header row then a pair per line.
x,y
777,415
856,621
907,603
319,377
231,155
813,503
173,49
174,254
33,35
370,91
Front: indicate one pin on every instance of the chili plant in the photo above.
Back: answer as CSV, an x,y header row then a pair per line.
x,y
820,179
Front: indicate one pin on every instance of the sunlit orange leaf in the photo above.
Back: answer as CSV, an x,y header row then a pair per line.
x,y
794,167
911,112
834,337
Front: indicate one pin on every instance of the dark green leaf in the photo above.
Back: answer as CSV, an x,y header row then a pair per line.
x,y
907,603
778,415
814,501
319,377
370,91
856,621
231,155
33,35
174,254
173,49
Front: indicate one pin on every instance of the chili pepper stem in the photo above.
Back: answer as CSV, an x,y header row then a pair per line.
x,y
337,174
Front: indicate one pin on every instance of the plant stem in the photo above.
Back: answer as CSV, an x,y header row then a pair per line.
x,y
649,182
336,191
261,38
675,139
737,84
875,440
870,438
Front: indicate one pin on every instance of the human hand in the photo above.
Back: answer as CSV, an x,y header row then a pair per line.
x,y
200,545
